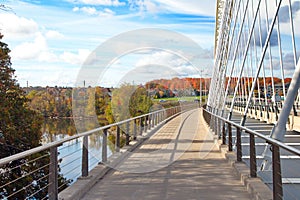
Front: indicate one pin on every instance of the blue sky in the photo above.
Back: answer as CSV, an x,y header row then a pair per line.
x,y
51,39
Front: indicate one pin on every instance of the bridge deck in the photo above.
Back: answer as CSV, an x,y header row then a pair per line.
x,y
180,161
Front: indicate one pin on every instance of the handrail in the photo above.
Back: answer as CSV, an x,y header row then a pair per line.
x,y
29,152
268,139
217,123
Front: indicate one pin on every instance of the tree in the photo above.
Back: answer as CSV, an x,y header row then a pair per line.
x,y
120,102
20,130
20,126
130,101
140,102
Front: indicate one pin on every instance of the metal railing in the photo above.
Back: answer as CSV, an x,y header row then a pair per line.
x,y
40,166
223,128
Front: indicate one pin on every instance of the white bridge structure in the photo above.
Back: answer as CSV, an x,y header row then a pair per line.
x,y
257,71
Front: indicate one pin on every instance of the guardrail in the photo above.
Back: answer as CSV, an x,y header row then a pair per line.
x,y
223,128
34,174
270,107
269,113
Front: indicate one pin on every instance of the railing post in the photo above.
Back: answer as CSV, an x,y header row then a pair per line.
x,y
276,111
224,133
153,120
219,128
127,133
145,124
294,110
253,168
238,145
277,181
53,168
85,157
229,137
216,125
118,140
134,129
141,126
150,122
104,146
159,114
212,122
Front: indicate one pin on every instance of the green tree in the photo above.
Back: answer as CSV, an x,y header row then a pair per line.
x,y
108,114
120,102
19,125
140,102
130,101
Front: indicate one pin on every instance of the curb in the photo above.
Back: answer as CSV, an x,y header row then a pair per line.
x,y
255,186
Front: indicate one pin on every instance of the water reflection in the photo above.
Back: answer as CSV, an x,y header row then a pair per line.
x,y
57,129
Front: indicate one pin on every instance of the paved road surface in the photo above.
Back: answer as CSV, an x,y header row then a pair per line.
x,y
180,161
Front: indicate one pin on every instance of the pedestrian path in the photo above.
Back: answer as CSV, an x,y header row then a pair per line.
x,y
180,161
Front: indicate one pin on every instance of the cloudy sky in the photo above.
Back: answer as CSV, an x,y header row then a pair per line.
x,y
51,40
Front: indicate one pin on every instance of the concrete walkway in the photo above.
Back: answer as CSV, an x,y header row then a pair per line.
x,y
181,161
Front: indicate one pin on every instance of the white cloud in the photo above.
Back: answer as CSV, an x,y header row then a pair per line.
x,y
178,65
144,6
49,75
197,7
14,26
151,7
106,13
30,50
162,58
99,2
89,10
47,56
75,9
54,35
39,50
75,58
93,11
203,7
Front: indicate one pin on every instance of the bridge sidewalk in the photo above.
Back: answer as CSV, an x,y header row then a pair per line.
x,y
180,161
